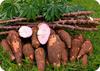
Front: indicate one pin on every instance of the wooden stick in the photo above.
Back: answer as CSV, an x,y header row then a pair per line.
x,y
80,21
80,13
13,20
4,33
96,19
74,27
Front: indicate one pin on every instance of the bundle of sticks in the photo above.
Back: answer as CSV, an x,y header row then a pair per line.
x,y
73,21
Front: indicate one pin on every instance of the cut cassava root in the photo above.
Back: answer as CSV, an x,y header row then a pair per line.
x,y
65,37
35,41
15,43
75,47
6,46
84,60
40,58
86,48
56,49
28,52
53,50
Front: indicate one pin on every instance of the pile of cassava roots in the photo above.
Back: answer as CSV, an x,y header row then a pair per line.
x,y
49,42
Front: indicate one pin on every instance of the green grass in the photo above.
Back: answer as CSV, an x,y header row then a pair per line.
x,y
94,60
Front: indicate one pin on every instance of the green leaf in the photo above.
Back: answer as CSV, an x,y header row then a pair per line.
x,y
9,11
53,12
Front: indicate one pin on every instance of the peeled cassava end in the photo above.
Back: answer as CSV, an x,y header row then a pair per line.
x,y
40,58
7,48
25,31
43,33
28,52
16,45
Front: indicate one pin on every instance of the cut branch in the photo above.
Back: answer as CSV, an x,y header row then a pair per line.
x,y
80,13
15,27
80,21
96,19
13,20
74,27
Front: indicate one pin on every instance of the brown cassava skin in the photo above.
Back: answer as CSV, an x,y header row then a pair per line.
x,y
28,52
86,48
65,37
76,44
64,54
16,46
56,50
35,41
75,47
47,61
6,47
80,37
53,50
40,58
84,60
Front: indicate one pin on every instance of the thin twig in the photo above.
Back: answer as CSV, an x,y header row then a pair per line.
x,y
80,21
80,13
12,20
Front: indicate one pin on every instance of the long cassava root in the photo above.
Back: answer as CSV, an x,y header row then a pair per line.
x,y
6,46
40,58
28,52
60,48
15,43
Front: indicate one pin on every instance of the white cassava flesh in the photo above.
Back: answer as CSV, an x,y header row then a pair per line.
x,y
25,31
43,33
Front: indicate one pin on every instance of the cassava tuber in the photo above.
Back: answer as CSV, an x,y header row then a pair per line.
x,y
84,60
64,54
53,50
74,49
86,48
80,37
47,61
28,52
7,48
16,46
57,53
76,45
40,58
65,37
35,41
